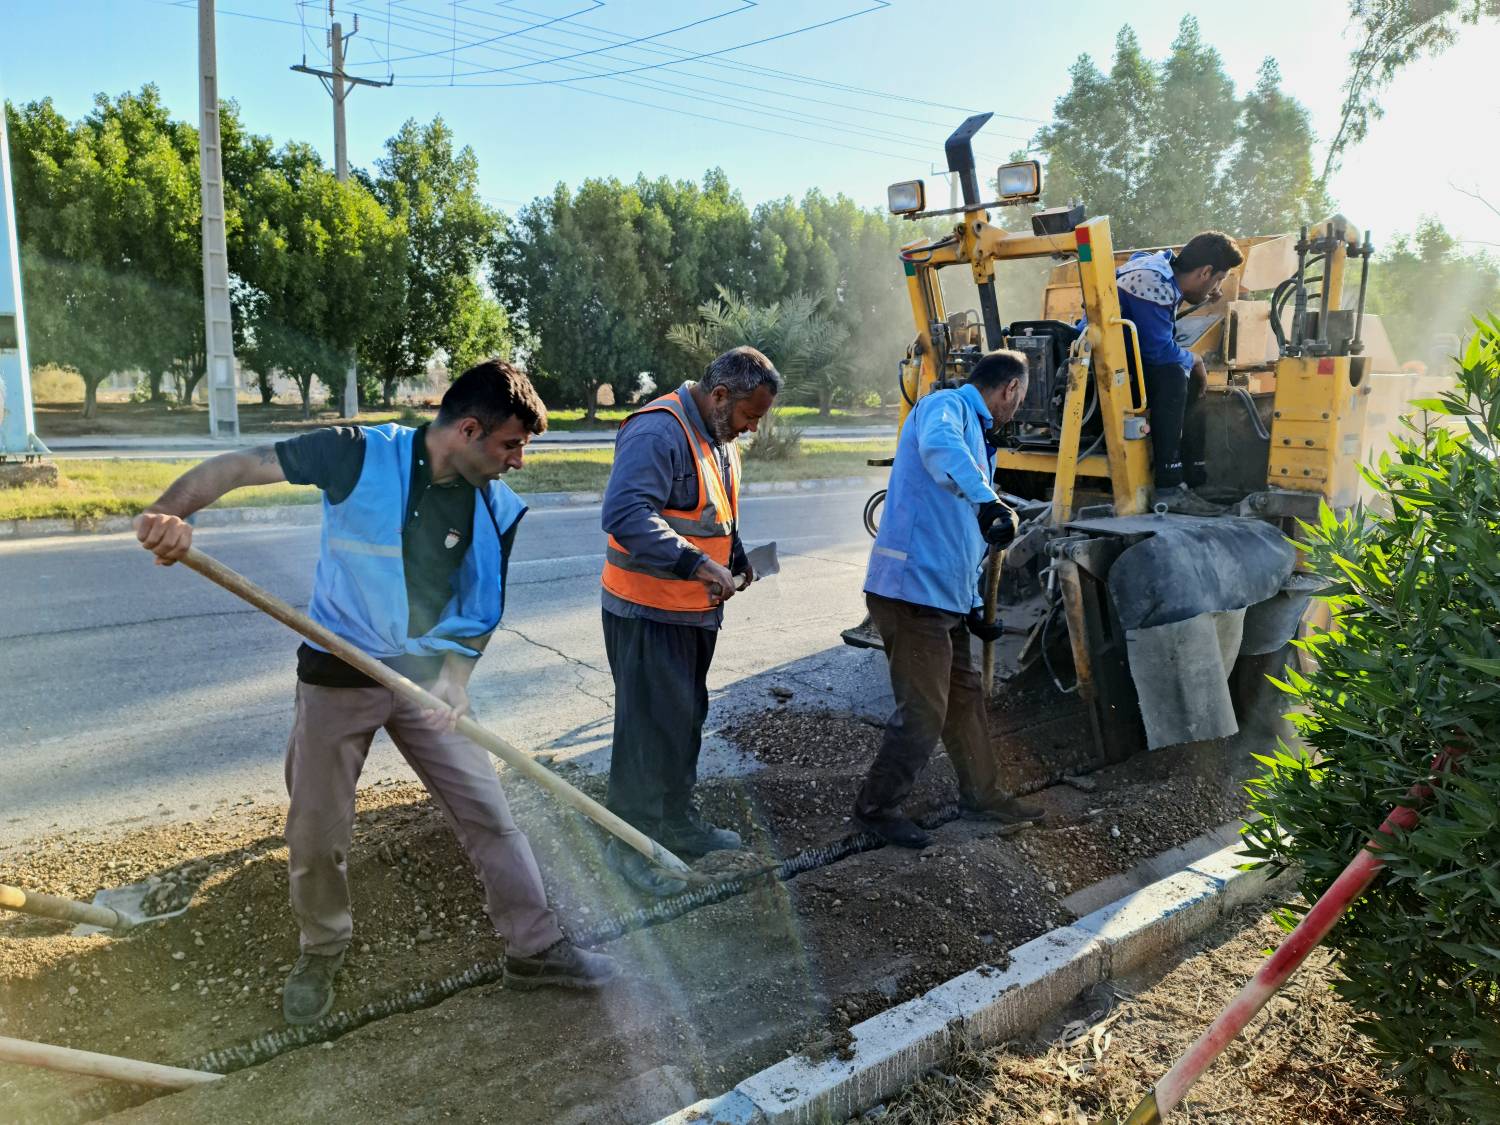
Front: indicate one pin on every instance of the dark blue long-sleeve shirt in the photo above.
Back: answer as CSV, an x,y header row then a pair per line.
x,y
655,468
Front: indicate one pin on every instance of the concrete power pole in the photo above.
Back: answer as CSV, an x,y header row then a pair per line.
x,y
17,421
339,86
218,329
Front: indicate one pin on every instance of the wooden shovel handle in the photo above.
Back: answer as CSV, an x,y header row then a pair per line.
x,y
63,909
518,760
72,1061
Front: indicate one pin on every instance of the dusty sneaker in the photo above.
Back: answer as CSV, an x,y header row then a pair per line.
x,y
690,835
1183,501
630,865
561,965
895,829
307,995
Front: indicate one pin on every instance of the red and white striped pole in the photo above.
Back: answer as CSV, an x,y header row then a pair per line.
x,y
1313,928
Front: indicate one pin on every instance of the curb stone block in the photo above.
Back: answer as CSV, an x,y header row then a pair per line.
x,y
1043,975
890,1050
1239,886
733,1108
1156,918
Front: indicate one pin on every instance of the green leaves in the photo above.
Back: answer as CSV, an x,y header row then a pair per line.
x,y
1411,665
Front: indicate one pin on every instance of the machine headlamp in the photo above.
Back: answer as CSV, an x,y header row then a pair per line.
x,y
907,197
1019,181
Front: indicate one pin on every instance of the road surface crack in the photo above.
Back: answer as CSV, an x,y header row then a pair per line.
x,y
572,661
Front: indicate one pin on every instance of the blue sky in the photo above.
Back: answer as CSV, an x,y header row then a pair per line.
x,y
747,109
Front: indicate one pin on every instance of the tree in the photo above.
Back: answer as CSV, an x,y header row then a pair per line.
x,y
805,345
1166,149
570,269
108,217
1393,33
322,264
1410,669
1270,183
478,330
1423,287
433,191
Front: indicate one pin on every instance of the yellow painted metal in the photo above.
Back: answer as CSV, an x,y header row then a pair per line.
x,y
1094,465
1129,461
1135,354
1072,428
1317,428
979,244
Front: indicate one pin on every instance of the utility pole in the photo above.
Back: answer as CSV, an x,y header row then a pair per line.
x,y
339,86
218,328
17,420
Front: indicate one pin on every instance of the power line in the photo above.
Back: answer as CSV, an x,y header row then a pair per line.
x,y
680,56
697,94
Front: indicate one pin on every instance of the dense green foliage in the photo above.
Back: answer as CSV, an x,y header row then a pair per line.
x,y
1166,149
1410,667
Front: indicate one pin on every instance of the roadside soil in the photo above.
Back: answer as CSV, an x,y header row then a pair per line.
x,y
712,996
1299,1061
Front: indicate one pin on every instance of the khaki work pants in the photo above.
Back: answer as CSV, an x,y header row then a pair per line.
x,y
330,739
938,696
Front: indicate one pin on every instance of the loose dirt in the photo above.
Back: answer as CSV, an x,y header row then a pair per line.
x,y
1300,1061
715,994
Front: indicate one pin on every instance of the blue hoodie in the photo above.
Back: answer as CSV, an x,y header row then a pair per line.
x,y
1149,297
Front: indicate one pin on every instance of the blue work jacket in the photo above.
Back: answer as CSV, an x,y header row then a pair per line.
x,y
929,550
359,588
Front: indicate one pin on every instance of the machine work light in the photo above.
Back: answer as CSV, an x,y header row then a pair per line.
x,y
1019,181
907,197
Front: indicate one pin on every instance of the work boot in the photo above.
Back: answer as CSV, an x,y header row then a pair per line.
x,y
895,829
690,835
1008,811
562,965
307,995
1183,501
633,868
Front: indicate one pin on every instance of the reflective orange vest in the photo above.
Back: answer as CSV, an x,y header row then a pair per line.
x,y
709,527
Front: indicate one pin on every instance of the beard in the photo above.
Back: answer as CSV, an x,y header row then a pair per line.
x,y
720,423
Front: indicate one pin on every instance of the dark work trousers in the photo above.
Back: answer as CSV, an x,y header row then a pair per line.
x,y
938,695
1178,424
661,700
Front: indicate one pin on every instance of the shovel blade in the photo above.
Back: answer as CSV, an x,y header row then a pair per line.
x,y
129,903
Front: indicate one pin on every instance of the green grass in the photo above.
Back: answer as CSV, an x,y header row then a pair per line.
x,y
63,419
92,489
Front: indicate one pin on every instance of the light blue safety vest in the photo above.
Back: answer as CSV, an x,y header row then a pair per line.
x,y
359,588
929,550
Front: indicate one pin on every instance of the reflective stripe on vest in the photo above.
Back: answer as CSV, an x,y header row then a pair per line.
x,y
709,527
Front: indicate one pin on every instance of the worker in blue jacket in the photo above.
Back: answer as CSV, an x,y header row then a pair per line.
x,y
1151,286
941,517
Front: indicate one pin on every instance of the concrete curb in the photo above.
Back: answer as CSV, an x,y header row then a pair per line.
x,y
988,1006
297,515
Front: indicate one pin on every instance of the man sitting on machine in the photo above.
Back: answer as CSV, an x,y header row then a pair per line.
x,y
1151,286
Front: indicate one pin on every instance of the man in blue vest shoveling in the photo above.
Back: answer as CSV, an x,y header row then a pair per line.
x,y
941,518
417,529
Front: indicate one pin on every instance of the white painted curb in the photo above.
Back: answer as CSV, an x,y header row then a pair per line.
x,y
988,1006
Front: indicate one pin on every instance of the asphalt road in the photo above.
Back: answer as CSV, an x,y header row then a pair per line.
x,y
131,692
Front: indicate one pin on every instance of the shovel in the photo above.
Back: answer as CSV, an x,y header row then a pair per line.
x,y
118,908
518,760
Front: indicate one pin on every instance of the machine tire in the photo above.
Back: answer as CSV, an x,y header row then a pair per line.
x,y
872,512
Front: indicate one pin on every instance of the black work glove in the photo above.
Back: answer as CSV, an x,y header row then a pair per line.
x,y
986,633
997,523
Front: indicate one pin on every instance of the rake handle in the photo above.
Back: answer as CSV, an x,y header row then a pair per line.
x,y
62,909
518,760
72,1061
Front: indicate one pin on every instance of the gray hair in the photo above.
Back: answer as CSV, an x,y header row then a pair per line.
x,y
740,371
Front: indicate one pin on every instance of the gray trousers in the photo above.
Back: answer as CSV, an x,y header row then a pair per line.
x,y
330,739
938,695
